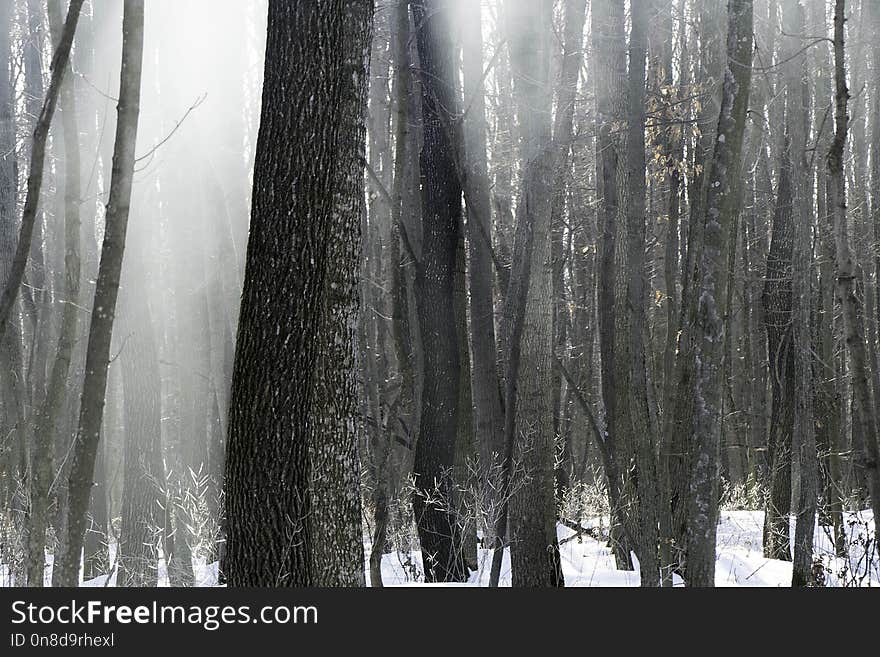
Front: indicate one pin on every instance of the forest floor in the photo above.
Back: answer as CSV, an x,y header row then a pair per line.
x,y
587,561
740,561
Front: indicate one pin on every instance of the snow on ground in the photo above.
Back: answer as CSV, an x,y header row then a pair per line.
x,y
588,562
740,562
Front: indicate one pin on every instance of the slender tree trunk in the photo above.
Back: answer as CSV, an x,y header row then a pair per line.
x,y
38,156
441,223
803,431
847,278
563,129
485,384
720,209
82,471
53,407
609,43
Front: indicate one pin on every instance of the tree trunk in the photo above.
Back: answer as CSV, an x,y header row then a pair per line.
x,y
528,318
81,478
38,156
292,496
609,43
441,224
485,384
720,209
49,414
847,278
803,431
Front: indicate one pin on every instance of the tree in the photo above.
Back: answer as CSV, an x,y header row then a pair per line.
x,y
528,313
292,499
720,207
38,155
868,458
50,412
80,481
433,497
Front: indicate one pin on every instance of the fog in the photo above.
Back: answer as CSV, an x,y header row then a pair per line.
x,y
187,233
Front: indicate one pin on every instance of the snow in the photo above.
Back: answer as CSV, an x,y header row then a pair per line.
x,y
739,558
589,562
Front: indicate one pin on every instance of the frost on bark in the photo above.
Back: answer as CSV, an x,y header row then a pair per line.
x,y
292,495
720,208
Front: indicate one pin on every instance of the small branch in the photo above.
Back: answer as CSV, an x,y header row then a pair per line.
x,y
177,125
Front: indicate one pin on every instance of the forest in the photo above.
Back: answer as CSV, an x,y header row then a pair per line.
x,y
530,293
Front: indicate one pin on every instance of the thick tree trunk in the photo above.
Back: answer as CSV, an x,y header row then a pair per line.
x,y
292,496
143,470
678,453
632,422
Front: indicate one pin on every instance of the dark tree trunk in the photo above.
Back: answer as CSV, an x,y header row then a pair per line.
x,y
292,496
609,45
441,224
633,415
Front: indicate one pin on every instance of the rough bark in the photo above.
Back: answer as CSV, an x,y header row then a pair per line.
x,y
777,314
803,431
292,496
